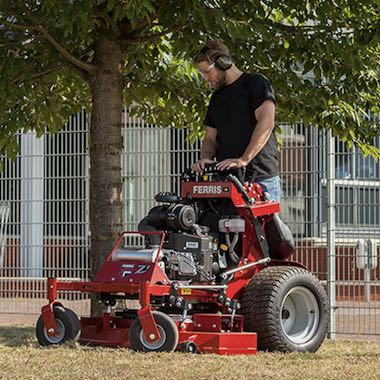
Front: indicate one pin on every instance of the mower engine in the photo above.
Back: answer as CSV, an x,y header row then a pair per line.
x,y
203,227
189,252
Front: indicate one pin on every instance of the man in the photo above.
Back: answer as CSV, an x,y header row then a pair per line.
x,y
239,121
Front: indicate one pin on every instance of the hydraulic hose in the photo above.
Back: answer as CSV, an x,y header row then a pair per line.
x,y
231,246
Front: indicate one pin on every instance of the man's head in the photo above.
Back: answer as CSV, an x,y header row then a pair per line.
x,y
213,61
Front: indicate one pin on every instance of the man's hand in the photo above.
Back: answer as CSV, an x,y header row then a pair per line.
x,y
200,165
232,163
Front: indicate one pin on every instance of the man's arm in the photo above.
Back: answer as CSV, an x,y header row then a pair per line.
x,y
208,150
265,116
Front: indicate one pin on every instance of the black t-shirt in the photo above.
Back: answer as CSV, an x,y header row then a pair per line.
x,y
232,112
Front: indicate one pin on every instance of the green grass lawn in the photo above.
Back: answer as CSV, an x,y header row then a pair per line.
x,y
22,358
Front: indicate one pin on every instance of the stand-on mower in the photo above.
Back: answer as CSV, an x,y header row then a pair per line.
x,y
214,277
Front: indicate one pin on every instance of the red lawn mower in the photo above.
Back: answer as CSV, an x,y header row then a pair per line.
x,y
214,277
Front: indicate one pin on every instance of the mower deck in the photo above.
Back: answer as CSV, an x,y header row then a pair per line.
x,y
208,338
204,332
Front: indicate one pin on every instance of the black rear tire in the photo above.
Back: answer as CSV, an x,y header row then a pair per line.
x,y
168,335
287,307
67,329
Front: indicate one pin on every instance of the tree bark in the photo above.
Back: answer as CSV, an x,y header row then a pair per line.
x,y
105,153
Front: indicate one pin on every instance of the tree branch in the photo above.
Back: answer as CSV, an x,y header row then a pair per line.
x,y
41,73
156,35
302,28
290,28
143,24
18,26
148,20
75,61
67,55
47,71
128,31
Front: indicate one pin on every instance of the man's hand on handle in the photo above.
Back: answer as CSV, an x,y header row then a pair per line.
x,y
227,164
231,163
200,165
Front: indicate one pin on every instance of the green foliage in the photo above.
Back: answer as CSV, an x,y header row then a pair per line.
x,y
323,58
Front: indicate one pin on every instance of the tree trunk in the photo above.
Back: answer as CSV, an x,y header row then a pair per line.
x,y
105,153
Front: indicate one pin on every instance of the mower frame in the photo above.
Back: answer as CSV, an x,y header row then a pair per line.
x,y
221,332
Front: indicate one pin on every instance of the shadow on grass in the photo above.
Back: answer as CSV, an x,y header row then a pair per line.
x,y
16,336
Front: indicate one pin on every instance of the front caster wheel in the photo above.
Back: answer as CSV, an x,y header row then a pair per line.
x,y
190,347
68,327
76,323
168,340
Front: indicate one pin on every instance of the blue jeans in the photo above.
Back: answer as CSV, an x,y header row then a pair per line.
x,y
272,186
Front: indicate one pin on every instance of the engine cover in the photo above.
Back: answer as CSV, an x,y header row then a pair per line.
x,y
192,257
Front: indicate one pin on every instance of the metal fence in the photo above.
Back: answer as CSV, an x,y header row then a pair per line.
x,y
330,200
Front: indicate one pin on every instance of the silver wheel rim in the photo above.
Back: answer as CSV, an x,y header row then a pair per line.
x,y
153,345
57,338
299,315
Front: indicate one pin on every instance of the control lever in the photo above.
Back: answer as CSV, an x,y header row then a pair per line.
x,y
241,189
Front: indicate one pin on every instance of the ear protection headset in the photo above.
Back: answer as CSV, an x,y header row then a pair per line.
x,y
222,61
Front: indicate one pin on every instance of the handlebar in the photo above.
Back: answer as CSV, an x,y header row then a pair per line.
x,y
236,176
212,170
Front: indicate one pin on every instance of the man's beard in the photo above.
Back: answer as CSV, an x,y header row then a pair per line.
x,y
220,82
